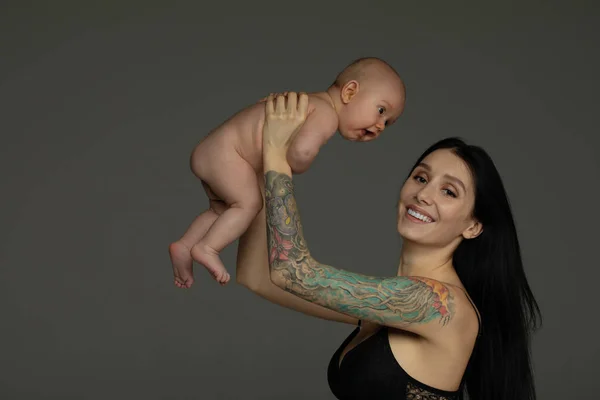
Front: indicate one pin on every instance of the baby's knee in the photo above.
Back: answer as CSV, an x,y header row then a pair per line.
x,y
218,206
252,204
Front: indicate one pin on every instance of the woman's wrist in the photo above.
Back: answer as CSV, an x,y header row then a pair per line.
x,y
275,160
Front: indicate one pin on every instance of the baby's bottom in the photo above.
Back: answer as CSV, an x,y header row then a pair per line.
x,y
235,200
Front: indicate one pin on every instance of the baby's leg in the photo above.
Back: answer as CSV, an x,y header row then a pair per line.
x,y
180,251
234,182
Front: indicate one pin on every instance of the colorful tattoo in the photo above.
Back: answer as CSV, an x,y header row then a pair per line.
x,y
400,300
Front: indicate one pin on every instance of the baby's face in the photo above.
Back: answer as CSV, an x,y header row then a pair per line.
x,y
371,110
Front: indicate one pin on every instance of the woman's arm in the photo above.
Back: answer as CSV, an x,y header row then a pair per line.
x,y
253,272
420,305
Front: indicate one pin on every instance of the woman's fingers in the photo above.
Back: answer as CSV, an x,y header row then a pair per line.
x,y
270,106
303,104
280,106
292,102
287,104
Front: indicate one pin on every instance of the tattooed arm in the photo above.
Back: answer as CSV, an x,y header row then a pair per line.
x,y
415,304
408,303
253,272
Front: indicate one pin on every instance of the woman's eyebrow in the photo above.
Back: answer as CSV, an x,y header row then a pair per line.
x,y
447,176
455,179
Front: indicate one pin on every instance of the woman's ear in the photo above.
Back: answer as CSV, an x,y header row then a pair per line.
x,y
474,230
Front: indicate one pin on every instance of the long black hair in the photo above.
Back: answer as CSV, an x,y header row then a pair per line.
x,y
491,269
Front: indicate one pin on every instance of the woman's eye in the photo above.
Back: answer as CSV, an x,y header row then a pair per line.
x,y
450,193
420,179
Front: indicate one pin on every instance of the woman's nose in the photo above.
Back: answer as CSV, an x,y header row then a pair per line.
x,y
423,196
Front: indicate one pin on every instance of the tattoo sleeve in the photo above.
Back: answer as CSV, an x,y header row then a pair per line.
x,y
394,300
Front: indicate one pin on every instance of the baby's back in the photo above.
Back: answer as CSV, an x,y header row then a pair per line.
x,y
242,133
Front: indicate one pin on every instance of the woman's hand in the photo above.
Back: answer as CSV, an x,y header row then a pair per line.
x,y
282,123
264,99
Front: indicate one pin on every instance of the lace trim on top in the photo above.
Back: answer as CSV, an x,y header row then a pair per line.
x,y
418,393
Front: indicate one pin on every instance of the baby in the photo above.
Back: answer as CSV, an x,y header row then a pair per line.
x,y
367,96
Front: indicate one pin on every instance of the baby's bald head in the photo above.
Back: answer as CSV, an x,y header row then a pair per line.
x,y
369,70
368,95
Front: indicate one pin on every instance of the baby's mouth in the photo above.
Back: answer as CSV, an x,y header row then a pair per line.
x,y
366,132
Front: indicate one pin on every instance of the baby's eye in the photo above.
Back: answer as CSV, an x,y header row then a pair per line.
x,y
381,110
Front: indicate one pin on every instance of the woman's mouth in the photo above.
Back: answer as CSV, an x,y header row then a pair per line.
x,y
418,217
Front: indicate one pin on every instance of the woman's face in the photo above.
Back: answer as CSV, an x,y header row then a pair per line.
x,y
436,202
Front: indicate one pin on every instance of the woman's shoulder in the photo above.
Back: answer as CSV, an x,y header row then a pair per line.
x,y
453,314
438,311
465,318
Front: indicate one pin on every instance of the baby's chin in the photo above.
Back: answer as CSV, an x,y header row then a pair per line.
x,y
351,136
343,134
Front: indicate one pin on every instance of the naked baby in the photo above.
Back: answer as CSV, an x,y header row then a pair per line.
x,y
367,96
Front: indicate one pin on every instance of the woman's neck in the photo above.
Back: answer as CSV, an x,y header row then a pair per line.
x,y
418,260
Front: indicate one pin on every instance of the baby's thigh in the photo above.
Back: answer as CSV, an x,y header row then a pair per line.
x,y
234,182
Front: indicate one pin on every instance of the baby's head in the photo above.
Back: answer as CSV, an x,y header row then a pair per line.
x,y
368,96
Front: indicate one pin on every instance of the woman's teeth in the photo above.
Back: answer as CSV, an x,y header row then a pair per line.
x,y
419,216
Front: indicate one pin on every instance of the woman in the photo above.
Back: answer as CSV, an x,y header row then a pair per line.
x,y
457,315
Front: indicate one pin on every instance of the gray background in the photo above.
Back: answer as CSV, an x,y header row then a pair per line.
x,y
101,105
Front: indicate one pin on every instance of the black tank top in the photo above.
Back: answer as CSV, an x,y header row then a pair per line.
x,y
370,371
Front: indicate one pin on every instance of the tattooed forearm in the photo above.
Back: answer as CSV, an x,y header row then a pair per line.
x,y
399,300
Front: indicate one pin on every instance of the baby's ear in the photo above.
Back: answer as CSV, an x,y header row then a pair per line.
x,y
349,90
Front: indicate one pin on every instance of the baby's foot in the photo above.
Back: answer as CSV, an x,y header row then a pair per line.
x,y
206,256
182,265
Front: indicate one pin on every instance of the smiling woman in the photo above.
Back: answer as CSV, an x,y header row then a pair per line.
x,y
458,297
437,200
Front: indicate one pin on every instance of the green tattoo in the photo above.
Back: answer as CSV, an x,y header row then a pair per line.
x,y
398,299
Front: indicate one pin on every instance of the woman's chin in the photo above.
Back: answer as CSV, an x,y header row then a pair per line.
x,y
408,236
413,234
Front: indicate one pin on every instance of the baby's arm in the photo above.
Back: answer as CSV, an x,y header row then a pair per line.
x,y
320,125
